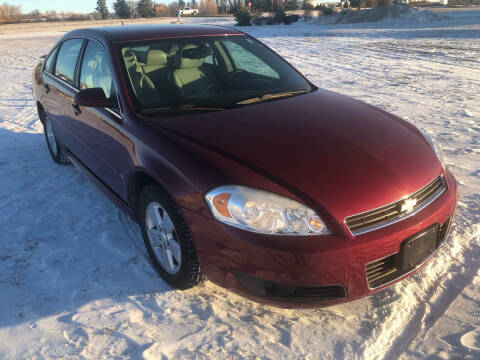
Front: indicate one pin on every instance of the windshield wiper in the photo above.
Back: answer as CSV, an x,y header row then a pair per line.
x,y
271,96
179,108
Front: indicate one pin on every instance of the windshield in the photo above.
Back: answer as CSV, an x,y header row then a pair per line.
x,y
206,74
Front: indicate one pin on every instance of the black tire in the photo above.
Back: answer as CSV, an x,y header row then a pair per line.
x,y
189,274
57,150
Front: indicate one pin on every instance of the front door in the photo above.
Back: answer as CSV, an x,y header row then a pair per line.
x,y
99,129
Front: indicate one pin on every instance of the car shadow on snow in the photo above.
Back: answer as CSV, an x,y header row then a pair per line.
x,y
62,244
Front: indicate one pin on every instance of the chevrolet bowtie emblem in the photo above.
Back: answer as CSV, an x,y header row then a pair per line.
x,y
408,205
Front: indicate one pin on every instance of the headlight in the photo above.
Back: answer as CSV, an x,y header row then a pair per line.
x,y
263,212
435,148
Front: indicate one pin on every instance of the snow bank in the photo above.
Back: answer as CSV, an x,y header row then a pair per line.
x,y
388,13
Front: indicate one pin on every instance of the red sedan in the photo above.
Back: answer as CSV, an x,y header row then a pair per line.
x,y
239,169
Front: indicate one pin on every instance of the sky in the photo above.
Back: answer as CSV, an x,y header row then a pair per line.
x,y
80,6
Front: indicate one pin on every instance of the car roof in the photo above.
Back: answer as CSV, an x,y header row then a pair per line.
x,y
152,31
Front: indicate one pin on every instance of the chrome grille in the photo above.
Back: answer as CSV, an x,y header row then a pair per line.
x,y
391,213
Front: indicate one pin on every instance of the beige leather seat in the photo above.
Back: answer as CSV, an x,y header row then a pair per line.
x,y
156,65
96,74
142,85
188,76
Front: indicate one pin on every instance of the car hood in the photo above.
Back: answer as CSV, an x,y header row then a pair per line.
x,y
343,154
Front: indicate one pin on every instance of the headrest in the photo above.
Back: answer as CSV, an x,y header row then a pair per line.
x,y
101,64
156,57
92,64
129,58
189,57
173,50
200,52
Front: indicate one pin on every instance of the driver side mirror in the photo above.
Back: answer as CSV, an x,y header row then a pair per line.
x,y
93,97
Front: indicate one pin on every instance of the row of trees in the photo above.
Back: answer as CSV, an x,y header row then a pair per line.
x,y
126,9
277,9
12,14
147,8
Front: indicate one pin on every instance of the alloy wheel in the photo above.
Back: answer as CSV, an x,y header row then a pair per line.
x,y
163,239
52,142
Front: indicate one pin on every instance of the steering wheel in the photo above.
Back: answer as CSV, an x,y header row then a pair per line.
x,y
229,80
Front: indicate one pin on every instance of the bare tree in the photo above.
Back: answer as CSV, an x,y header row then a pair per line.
x,y
9,13
307,10
208,7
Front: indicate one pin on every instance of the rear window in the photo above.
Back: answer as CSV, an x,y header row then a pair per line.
x,y
67,60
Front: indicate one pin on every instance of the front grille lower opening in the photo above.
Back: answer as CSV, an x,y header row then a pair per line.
x,y
383,271
290,293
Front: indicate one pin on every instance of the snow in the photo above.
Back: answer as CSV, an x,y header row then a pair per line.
x,y
392,14
75,281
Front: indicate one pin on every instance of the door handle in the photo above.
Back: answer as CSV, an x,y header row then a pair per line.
x,y
47,88
76,109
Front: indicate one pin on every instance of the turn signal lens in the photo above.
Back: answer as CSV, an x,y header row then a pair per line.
x,y
263,212
316,223
220,202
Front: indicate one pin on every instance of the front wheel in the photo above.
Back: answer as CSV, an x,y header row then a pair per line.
x,y
56,149
167,239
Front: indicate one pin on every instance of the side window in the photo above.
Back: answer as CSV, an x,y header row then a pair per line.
x,y
67,59
245,60
208,60
95,73
49,61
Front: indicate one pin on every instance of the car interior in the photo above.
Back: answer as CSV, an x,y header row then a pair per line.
x,y
95,73
166,72
174,71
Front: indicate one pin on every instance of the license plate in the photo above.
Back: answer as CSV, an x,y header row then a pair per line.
x,y
418,247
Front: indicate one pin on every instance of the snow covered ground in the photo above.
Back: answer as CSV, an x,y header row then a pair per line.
x,y
75,281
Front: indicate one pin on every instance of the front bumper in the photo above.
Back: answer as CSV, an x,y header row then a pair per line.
x,y
280,270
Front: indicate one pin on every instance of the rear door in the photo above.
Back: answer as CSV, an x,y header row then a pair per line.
x,y
59,87
46,97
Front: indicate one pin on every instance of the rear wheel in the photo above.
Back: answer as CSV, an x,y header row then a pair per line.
x,y
56,149
167,239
